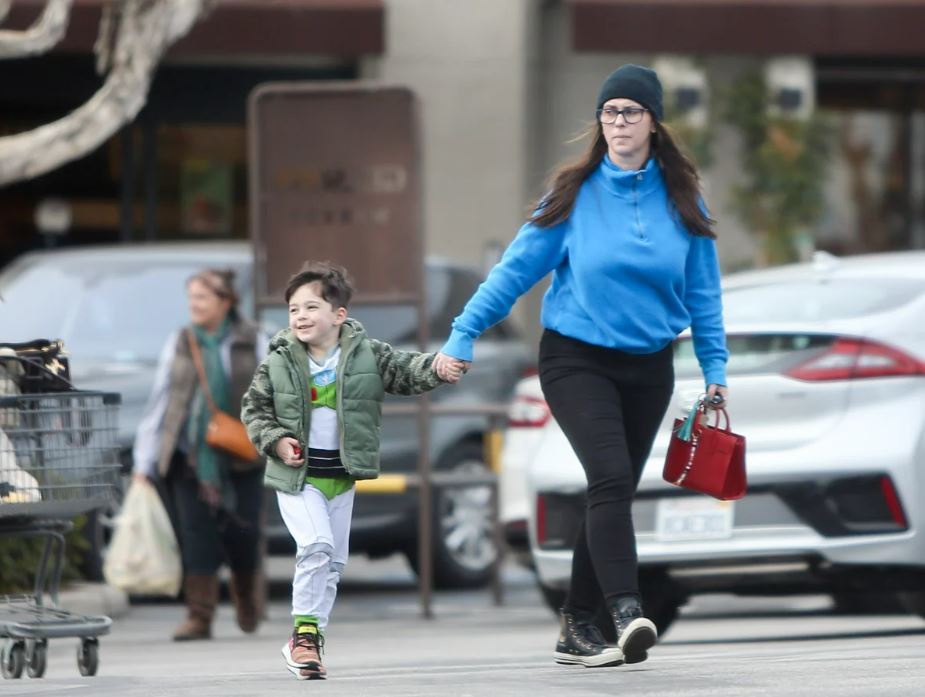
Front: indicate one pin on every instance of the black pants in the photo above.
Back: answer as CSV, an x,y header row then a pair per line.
x,y
609,404
210,537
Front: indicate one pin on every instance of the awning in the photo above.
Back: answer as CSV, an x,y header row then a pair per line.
x,y
815,27
344,28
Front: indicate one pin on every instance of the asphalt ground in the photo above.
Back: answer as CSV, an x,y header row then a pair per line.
x,y
378,644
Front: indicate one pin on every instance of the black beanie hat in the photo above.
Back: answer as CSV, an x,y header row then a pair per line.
x,y
634,82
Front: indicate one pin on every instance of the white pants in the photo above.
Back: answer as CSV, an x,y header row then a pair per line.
x,y
321,530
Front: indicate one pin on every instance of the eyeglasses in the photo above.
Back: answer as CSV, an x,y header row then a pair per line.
x,y
631,114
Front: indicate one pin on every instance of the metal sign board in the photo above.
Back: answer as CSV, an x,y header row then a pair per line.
x,y
334,175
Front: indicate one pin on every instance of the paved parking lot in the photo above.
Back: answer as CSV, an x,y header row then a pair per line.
x,y
379,645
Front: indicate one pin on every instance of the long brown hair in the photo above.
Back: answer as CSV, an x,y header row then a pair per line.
x,y
679,171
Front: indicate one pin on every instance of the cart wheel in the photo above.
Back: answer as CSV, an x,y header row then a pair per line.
x,y
88,656
13,659
37,659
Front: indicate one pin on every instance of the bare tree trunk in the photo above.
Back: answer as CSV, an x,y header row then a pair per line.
x,y
143,31
47,31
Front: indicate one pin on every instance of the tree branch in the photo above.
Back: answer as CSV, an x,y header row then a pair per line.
x,y
146,29
47,31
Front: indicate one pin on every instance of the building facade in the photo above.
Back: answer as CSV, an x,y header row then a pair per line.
x,y
502,86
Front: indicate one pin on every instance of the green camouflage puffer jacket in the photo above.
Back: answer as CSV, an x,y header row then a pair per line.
x,y
278,402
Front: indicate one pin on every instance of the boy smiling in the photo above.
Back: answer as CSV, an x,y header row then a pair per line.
x,y
314,409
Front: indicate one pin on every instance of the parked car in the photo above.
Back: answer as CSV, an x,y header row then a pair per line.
x,y
114,306
827,383
528,413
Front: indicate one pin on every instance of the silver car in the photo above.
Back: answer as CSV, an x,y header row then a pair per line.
x,y
827,383
115,305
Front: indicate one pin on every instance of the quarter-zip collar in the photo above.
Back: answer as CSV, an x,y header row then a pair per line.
x,y
628,183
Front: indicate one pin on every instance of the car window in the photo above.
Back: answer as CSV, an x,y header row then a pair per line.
x,y
394,323
117,312
797,302
754,354
448,291
812,300
463,286
398,324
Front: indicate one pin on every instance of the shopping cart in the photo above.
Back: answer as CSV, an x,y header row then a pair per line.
x,y
58,459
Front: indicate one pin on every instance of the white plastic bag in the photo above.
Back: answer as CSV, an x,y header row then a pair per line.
x,y
143,556
21,487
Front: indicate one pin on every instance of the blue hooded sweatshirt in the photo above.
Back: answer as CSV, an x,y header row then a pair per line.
x,y
626,274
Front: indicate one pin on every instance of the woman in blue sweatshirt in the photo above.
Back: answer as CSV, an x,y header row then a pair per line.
x,y
631,249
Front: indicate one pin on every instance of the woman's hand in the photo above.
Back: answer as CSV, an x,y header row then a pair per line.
x,y
722,402
289,451
450,369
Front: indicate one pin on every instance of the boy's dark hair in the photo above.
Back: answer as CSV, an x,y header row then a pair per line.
x,y
336,287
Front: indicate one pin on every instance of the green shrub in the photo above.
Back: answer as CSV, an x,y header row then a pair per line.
x,y
20,556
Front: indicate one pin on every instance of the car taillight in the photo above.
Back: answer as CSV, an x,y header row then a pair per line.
x,y
527,412
849,359
540,520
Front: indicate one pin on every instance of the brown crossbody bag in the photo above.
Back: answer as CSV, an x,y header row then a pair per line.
x,y
224,431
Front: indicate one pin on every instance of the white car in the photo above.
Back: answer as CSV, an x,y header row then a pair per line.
x,y
827,384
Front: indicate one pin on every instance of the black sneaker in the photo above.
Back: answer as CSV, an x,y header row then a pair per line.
x,y
635,634
581,643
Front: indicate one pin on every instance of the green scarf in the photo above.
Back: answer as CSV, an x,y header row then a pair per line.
x,y
212,466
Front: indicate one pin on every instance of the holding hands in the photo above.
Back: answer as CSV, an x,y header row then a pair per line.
x,y
450,369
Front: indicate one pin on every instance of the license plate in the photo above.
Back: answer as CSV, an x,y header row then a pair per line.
x,y
693,518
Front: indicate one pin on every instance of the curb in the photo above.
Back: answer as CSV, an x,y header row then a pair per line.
x,y
87,598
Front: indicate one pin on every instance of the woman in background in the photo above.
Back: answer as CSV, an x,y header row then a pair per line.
x,y
217,499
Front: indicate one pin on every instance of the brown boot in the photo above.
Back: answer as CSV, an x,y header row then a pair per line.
x,y
243,590
201,595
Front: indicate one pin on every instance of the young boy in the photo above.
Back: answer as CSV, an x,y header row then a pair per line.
x,y
314,409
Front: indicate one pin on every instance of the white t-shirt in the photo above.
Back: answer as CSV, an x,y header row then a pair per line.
x,y
323,433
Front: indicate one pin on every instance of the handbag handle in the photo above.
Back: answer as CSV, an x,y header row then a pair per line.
x,y
692,422
725,414
197,361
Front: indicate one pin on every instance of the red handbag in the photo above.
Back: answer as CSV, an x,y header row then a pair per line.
x,y
705,458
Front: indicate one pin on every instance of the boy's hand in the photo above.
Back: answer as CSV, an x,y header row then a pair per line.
x,y
450,369
289,451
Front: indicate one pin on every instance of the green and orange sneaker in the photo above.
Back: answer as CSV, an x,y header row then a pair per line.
x,y
303,653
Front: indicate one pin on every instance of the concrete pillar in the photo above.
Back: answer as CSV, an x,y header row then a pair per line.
x,y
467,62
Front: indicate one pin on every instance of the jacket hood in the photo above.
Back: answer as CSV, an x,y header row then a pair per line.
x,y
350,330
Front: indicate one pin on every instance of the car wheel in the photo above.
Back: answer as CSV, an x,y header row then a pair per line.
x,y
464,546
553,597
660,598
